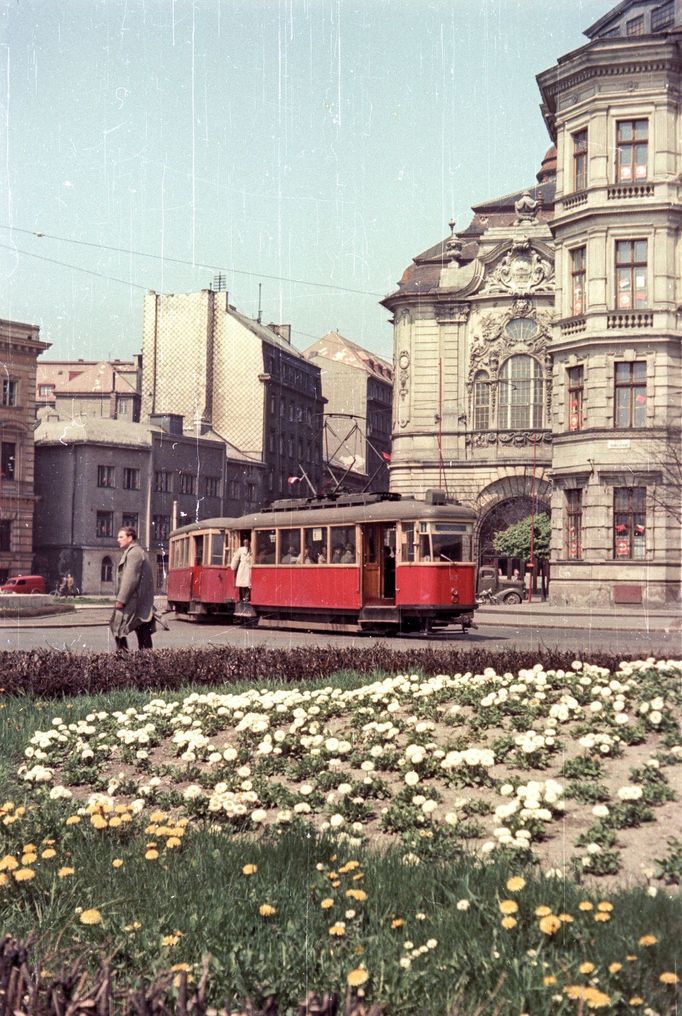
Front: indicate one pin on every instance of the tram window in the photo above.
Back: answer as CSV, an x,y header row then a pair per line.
x,y
290,546
342,544
198,542
424,547
180,553
407,542
217,543
265,546
451,542
315,545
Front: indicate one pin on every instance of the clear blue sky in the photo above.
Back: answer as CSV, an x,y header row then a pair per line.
x,y
320,140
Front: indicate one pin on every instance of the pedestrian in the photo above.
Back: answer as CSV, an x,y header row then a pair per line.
x,y
134,607
70,585
242,561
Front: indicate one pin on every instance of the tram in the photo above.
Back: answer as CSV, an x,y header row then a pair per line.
x,y
362,562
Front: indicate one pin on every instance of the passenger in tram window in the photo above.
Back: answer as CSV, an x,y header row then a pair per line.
x,y
348,556
322,556
291,557
241,565
424,549
337,555
308,559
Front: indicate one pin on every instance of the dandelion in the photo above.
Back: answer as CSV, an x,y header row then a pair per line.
x,y
117,863
647,940
635,1000
24,874
151,855
397,922
249,869
91,916
8,863
327,903
73,820
615,967
338,929
48,853
65,872
266,910
357,977
586,968
585,905
357,894
605,906
550,924
668,977
543,911
566,918
602,916
171,940
509,922
515,884
508,907
548,980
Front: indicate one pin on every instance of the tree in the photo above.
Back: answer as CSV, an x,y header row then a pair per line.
x,y
515,540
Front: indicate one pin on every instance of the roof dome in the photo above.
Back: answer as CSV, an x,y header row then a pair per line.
x,y
548,166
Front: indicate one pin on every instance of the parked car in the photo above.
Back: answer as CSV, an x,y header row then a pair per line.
x,y
24,584
490,583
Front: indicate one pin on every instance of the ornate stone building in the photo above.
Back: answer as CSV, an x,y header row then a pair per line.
x,y
614,109
20,345
473,367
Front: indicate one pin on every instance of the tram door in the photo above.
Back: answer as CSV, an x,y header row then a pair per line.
x,y
378,562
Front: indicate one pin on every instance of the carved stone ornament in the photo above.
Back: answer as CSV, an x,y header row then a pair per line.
x,y
526,209
402,402
403,317
515,438
457,313
520,328
521,271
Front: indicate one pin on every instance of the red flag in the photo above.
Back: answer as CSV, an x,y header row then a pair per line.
x,y
294,479
386,456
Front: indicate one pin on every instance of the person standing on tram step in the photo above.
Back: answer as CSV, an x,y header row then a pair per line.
x,y
242,561
134,607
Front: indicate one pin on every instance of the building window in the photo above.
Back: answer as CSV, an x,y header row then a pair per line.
x,y
160,527
45,390
211,486
630,395
663,17
130,519
575,398
10,392
522,391
107,570
5,535
631,269
131,479
580,160
105,524
635,26
481,405
629,522
578,276
122,406
8,460
631,150
162,480
574,523
105,476
188,483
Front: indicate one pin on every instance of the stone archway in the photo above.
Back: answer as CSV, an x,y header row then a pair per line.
x,y
504,502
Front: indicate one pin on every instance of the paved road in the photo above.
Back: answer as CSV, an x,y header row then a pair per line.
x,y
91,634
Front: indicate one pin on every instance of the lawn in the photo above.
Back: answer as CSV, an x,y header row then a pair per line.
x,y
489,842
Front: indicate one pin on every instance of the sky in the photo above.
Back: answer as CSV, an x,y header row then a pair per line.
x,y
309,147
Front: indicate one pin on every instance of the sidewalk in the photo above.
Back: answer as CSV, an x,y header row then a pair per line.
x,y
543,615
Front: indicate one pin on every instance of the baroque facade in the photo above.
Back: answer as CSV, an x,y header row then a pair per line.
x,y
537,352
473,367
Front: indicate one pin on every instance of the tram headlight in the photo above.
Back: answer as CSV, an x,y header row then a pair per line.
x,y
454,593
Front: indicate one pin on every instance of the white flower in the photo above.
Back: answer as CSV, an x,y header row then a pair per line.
x,y
462,904
336,821
411,778
259,815
630,793
600,811
655,717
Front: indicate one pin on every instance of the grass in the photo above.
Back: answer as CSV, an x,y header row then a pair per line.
x,y
164,905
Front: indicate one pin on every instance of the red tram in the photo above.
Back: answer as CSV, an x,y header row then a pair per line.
x,y
369,562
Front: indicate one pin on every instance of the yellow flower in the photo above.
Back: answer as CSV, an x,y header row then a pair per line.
x,y
543,911
615,967
178,967
349,866
326,903
151,855
515,884
8,863
266,910
550,924
635,1000
647,940
4,879
73,820
585,905
397,922
117,863
24,874
29,848
548,980
586,968
158,816
115,821
357,977
508,906
48,853
630,957
249,869
29,858
173,841
357,894
91,917
65,871
566,918
98,821
602,917
605,906
667,977
338,929
509,922
595,999
169,940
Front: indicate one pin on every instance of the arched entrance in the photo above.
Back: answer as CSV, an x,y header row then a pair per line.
x,y
502,504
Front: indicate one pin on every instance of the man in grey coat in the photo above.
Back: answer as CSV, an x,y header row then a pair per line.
x,y
134,607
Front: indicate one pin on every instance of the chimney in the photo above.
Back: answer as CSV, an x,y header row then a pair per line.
x,y
284,331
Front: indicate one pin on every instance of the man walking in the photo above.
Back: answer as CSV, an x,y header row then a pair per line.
x,y
134,607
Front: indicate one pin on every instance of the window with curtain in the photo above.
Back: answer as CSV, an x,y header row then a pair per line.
x,y
521,394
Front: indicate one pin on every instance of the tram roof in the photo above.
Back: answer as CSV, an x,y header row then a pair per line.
x,y
394,510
